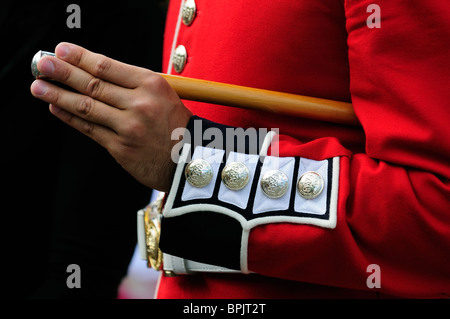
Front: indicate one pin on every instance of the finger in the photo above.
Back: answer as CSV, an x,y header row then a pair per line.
x,y
101,66
98,133
77,104
84,82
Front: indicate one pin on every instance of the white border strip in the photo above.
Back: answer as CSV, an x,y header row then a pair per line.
x,y
248,225
175,37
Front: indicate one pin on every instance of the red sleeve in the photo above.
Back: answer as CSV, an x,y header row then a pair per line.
x,y
394,199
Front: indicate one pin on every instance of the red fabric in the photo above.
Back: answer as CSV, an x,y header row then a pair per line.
x,y
289,46
394,188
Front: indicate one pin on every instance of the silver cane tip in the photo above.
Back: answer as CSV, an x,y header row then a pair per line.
x,y
34,63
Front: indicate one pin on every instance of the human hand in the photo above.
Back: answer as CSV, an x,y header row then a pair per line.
x,y
131,111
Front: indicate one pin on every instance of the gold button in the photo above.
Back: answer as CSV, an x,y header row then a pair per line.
x,y
274,183
179,58
188,12
310,185
235,175
198,173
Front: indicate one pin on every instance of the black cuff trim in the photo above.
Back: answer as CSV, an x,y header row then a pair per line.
x,y
204,237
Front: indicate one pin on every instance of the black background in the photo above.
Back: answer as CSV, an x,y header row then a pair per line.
x,y
64,199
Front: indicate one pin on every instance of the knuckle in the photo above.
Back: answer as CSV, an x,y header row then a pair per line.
x,y
133,129
101,66
69,119
143,105
78,58
147,111
85,107
55,97
94,87
154,81
88,128
66,72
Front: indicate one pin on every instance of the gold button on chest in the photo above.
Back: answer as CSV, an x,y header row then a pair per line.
x,y
179,58
188,12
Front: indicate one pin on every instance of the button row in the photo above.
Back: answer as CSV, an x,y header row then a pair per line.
x,y
188,13
235,176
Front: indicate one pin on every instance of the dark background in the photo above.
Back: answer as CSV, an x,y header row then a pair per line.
x,y
64,199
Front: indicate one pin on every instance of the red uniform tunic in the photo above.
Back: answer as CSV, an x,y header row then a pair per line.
x,y
393,206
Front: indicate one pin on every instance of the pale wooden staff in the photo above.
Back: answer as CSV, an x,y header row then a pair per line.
x,y
258,99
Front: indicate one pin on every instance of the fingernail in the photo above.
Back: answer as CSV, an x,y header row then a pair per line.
x,y
62,51
47,67
39,88
54,109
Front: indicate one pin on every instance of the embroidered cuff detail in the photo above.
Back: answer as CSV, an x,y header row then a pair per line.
x,y
211,223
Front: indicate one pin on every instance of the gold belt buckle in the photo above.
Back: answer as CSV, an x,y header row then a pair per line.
x,y
152,222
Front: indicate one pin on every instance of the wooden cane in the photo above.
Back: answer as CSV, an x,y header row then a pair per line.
x,y
258,99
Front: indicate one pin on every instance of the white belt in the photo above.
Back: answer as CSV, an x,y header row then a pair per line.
x,y
182,266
